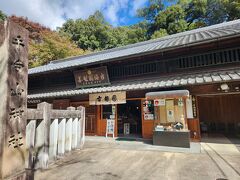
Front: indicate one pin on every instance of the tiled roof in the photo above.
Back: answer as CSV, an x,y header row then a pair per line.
x,y
164,82
188,38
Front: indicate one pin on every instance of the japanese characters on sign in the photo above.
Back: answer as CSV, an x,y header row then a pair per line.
x,y
107,98
194,106
148,109
91,77
110,126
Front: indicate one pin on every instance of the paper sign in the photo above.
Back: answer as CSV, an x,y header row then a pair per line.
x,y
110,126
148,117
162,102
159,102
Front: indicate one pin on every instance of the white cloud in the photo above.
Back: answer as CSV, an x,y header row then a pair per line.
x,y
51,13
137,4
82,8
42,11
114,8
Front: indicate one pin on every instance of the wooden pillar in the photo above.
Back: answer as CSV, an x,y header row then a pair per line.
x,y
185,112
13,91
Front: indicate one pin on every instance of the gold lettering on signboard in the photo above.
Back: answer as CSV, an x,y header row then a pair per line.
x,y
91,77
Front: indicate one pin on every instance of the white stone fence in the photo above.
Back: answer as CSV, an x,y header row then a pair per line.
x,y
50,133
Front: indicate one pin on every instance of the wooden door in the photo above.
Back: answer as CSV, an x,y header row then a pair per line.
x,y
91,117
220,113
147,125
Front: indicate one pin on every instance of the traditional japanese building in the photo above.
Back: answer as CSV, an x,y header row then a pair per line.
x,y
112,84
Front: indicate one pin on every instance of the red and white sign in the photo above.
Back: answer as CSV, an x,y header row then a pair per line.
x,y
159,102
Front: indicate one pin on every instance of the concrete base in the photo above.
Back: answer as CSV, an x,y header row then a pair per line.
x,y
172,138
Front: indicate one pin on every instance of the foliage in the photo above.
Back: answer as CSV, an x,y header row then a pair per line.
x,y
79,36
53,47
152,10
159,33
211,12
46,45
95,33
172,19
2,16
187,14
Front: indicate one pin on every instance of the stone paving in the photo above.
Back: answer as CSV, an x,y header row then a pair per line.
x,y
113,160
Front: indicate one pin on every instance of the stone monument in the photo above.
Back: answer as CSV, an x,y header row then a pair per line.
x,y
13,105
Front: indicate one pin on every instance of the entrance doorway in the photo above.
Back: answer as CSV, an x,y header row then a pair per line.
x,y
219,114
130,119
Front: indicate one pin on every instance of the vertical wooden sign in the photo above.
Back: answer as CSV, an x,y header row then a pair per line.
x,y
13,90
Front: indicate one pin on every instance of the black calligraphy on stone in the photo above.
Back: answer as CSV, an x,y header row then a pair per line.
x,y
15,140
18,65
17,91
16,115
18,41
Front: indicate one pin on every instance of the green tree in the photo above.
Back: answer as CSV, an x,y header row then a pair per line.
x,y
89,34
2,16
186,15
172,19
95,33
232,8
209,12
151,11
159,33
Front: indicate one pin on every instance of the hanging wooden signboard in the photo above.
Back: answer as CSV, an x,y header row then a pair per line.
x,y
194,106
91,77
107,98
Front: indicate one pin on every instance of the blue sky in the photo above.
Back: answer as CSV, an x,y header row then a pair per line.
x,y
53,13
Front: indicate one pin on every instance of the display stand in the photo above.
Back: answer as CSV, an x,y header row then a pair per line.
x,y
110,127
170,122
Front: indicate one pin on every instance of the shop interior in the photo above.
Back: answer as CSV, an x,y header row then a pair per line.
x,y
129,119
